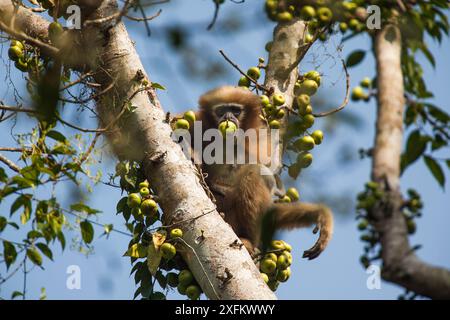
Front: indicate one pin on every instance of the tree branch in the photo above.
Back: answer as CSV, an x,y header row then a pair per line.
x,y
400,264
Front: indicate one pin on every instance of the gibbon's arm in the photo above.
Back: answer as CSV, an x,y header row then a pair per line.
x,y
301,214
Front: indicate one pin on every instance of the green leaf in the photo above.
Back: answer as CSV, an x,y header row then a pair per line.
x,y
22,200
137,250
34,256
157,86
3,175
45,250
81,207
62,239
3,223
87,231
9,253
415,147
157,296
121,205
16,294
448,163
355,58
436,170
56,135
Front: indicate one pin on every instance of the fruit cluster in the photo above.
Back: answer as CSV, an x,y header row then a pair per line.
x,y
18,54
358,92
186,122
303,141
319,14
275,265
291,195
186,284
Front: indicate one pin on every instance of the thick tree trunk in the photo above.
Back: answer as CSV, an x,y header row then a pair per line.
x,y
223,271
400,264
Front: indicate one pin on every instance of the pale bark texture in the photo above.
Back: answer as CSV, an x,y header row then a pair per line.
x,y
400,263
223,270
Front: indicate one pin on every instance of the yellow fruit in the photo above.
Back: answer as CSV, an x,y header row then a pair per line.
x,y
144,191
144,184
305,143
308,12
176,233
293,194
21,65
254,73
284,275
308,87
313,75
285,16
282,262
324,14
288,246
285,199
353,24
265,277
137,213
305,110
277,245
149,207
271,256
308,121
268,266
308,38
193,292
168,250
343,27
317,135
226,127
280,114
55,30
303,100
182,124
244,82
189,116
185,277
366,82
278,100
134,200
358,93
265,100
15,53
17,43
274,124
304,159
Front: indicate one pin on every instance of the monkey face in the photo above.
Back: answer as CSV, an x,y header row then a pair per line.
x,y
231,112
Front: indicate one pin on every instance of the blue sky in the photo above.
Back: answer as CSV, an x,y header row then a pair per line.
x,y
336,274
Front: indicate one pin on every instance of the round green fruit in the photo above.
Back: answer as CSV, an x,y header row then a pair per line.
x,y
282,262
273,285
285,199
254,73
274,124
411,224
287,246
277,245
353,24
181,289
193,292
244,82
288,256
182,124
308,121
226,127
265,100
366,82
324,14
185,277
121,169
176,233
363,224
271,256
149,207
265,277
308,12
17,43
15,53
168,250
303,100
284,275
308,38
343,27
305,110
317,135
304,159
278,100
144,191
305,143
137,213
189,116
313,75
55,30
358,93
285,16
308,87
280,114
134,200
268,266
144,184
293,194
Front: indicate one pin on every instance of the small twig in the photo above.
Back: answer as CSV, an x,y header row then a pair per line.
x,y
344,103
216,14
144,18
259,86
10,164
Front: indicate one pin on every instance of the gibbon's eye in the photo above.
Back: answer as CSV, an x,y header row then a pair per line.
x,y
235,109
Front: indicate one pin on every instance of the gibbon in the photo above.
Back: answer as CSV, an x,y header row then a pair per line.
x,y
241,192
